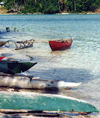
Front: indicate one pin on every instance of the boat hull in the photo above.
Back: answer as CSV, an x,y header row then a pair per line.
x,y
60,45
43,102
23,82
13,67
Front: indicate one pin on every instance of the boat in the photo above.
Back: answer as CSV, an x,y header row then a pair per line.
x,y
13,67
24,44
44,102
1,57
20,44
60,44
2,43
28,82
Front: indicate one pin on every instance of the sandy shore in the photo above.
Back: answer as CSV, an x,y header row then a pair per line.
x,y
4,11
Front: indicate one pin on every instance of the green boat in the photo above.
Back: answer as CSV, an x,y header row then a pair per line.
x,y
43,102
13,67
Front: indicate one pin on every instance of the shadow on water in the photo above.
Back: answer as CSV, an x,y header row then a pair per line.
x,y
64,74
3,33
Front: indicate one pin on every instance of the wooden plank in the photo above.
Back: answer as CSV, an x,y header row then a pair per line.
x,y
26,112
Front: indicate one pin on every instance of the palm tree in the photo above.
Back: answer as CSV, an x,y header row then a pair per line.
x,y
62,5
74,5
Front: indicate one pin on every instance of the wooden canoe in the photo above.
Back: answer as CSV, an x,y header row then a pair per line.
x,y
60,44
24,44
13,67
43,102
20,44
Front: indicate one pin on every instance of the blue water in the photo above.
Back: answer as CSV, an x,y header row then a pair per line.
x,y
80,63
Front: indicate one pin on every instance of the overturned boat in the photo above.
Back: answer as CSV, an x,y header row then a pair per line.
x,y
43,102
25,82
13,67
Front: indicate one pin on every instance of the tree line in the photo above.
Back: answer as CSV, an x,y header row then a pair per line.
x,y
51,6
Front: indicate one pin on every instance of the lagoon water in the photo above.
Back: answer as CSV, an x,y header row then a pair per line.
x,y
80,63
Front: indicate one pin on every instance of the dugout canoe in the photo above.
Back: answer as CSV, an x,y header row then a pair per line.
x,y
24,44
24,82
13,67
60,44
44,102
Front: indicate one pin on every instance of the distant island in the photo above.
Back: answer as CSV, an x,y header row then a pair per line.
x,y
49,6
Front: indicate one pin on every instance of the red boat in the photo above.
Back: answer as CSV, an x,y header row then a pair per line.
x,y
60,44
1,57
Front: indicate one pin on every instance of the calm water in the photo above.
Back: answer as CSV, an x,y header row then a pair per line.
x,y
80,63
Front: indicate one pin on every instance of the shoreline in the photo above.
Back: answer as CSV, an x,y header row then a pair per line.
x,y
49,14
4,11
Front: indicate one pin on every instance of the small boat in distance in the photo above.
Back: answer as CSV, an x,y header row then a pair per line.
x,y
60,44
24,44
19,44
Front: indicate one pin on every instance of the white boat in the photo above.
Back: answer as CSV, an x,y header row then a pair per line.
x,y
24,82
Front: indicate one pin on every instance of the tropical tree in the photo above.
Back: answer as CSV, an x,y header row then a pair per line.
x,y
52,6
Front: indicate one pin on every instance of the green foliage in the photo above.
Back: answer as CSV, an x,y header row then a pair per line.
x,y
9,4
52,6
